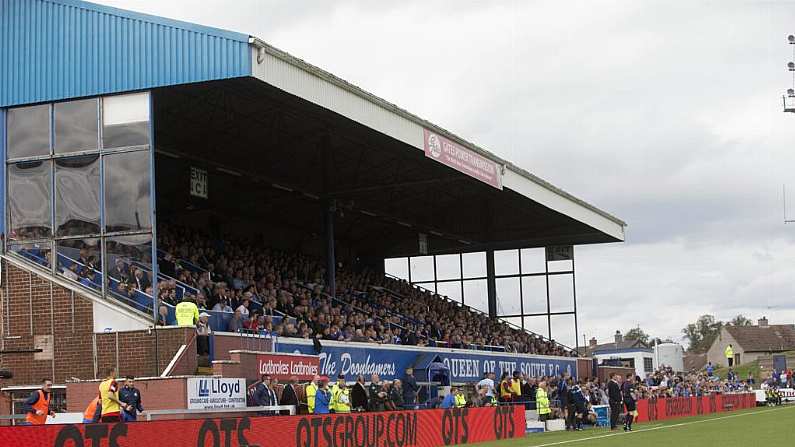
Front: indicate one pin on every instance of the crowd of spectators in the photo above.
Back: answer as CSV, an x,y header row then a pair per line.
x,y
256,282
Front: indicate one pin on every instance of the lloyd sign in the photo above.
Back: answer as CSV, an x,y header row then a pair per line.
x,y
212,393
283,366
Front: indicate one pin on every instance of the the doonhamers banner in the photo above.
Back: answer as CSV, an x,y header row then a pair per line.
x,y
390,361
422,428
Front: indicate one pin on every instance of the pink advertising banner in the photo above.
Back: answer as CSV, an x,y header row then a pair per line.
x,y
461,159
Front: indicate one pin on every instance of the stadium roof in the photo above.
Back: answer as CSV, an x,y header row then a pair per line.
x,y
59,49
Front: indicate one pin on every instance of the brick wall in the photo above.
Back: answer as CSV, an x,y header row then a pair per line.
x,y
136,355
156,393
225,342
68,318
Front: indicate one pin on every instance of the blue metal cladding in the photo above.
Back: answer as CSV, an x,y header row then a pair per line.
x,y
58,49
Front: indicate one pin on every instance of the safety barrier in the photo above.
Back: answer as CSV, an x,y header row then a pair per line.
x,y
418,428
657,409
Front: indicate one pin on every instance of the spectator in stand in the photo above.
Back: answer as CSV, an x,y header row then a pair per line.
x,y
289,282
243,308
710,369
162,316
130,395
203,334
37,405
236,323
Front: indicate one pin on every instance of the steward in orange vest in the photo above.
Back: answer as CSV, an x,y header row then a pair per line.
x,y
37,407
93,411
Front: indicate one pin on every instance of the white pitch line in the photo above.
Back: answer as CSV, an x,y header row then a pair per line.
x,y
682,424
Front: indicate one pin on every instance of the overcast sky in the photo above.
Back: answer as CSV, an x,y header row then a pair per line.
x,y
666,114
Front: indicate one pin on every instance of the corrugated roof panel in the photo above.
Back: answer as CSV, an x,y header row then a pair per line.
x,y
57,49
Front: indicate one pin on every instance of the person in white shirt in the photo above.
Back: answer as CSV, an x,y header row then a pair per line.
x,y
488,382
243,308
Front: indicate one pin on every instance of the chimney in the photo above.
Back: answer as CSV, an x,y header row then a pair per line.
x,y
619,337
592,342
763,322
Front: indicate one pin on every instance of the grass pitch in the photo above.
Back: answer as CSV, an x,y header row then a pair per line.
x,y
756,427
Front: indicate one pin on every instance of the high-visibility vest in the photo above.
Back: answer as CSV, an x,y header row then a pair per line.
x,y
505,389
311,392
729,352
187,313
43,405
516,387
91,410
341,400
542,402
460,400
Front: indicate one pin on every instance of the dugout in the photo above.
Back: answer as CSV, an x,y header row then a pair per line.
x,y
114,120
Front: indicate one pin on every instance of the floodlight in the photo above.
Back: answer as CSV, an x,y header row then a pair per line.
x,y
791,39
791,93
791,66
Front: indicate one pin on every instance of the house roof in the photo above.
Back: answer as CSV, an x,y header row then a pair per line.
x,y
623,345
694,361
774,337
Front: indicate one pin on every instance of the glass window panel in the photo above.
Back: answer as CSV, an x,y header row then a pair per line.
x,y
127,191
508,299
133,255
125,120
474,265
422,268
28,131
534,294
448,267
476,294
563,329
77,195
561,293
506,262
398,267
81,261
426,286
76,126
29,200
517,321
451,290
38,253
533,260
537,325
560,266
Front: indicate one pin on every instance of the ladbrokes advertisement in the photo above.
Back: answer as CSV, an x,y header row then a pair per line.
x,y
424,428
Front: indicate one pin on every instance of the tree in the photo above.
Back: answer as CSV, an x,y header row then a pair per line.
x,y
702,333
741,320
636,333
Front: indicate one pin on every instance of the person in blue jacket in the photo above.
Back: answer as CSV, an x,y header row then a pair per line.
x,y
323,397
